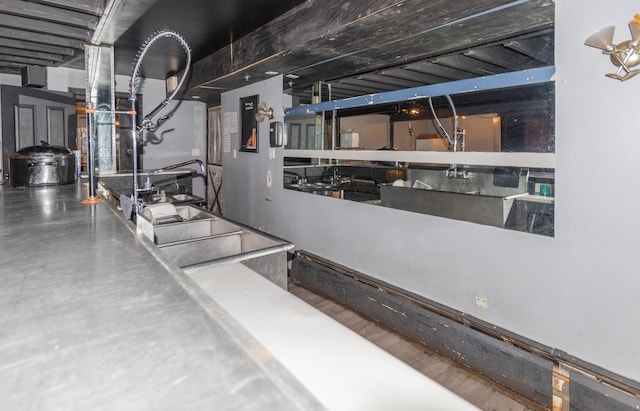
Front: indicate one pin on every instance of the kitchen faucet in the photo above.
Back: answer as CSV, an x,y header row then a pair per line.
x,y
459,138
178,165
149,186
147,123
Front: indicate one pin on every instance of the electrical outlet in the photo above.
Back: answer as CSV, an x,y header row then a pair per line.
x,y
195,152
482,302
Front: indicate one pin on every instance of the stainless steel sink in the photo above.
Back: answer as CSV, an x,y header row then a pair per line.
x,y
482,209
203,240
182,197
209,250
159,199
192,230
117,186
189,212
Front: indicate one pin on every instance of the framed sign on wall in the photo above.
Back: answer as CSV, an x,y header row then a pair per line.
x,y
249,124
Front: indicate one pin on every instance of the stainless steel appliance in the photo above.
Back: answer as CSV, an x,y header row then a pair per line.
x,y
42,166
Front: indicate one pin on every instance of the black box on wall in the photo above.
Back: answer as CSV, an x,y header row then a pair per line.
x,y
34,76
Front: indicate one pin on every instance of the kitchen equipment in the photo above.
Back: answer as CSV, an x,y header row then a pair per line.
x,y
394,174
42,166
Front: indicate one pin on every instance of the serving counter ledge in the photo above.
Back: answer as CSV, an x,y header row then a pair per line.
x,y
93,317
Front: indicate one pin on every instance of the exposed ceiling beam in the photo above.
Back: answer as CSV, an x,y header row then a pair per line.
x,y
35,11
500,56
19,34
118,16
27,60
9,51
95,7
31,46
39,26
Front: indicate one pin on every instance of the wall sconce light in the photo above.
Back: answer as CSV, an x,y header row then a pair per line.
x,y
264,112
623,55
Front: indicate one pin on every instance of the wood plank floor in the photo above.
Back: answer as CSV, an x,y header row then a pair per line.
x,y
471,386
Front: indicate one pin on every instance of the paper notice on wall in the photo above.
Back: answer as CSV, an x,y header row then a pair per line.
x,y
227,126
233,121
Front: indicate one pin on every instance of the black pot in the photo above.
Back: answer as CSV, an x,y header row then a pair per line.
x,y
42,166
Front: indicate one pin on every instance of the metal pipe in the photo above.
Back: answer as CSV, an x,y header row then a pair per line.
x,y
178,165
90,162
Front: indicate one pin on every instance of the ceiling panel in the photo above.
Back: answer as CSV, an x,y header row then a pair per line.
x,y
207,26
45,33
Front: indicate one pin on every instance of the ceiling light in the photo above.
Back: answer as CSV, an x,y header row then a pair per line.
x,y
271,73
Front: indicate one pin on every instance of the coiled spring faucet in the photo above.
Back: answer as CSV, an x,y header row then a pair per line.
x,y
147,123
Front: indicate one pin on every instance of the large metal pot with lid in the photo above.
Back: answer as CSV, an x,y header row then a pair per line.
x,y
42,166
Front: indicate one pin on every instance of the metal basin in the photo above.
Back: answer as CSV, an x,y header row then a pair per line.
x,y
202,241
202,245
213,248
189,213
482,209
182,197
192,230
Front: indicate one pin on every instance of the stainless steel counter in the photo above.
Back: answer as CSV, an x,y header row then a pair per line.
x,y
92,318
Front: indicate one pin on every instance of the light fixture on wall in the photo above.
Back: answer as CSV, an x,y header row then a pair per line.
x,y
264,112
623,55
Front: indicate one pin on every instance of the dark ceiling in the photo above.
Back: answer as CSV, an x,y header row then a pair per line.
x,y
206,25
54,32
357,47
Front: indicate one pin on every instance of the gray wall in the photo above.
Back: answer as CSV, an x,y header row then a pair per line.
x,y
577,291
175,138
244,183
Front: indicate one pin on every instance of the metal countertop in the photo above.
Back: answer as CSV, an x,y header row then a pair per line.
x,y
91,318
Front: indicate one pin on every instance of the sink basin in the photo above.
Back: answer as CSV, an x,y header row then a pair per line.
x,y
202,240
468,206
159,199
191,230
183,197
189,212
211,249
201,245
